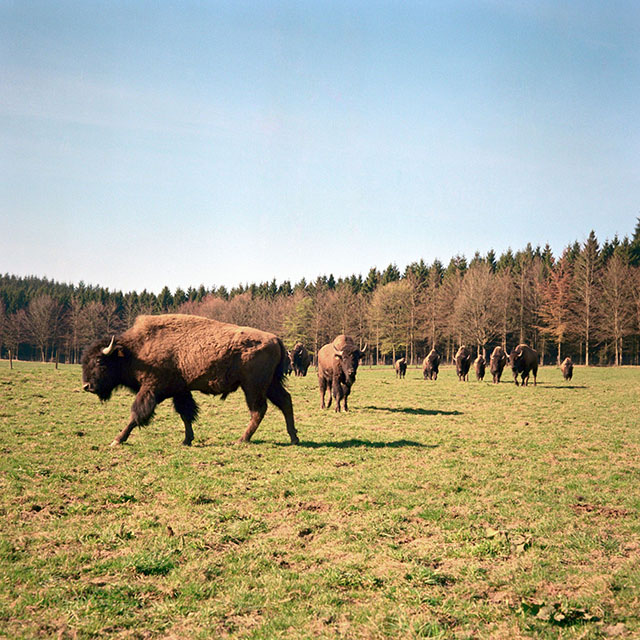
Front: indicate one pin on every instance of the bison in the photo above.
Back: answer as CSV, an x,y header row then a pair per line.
x,y
523,359
430,365
567,368
480,366
497,361
463,363
300,359
337,367
169,356
401,368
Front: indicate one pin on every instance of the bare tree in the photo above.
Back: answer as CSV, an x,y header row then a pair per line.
x,y
503,300
615,308
43,322
477,317
16,331
586,279
391,313
98,320
555,310
432,307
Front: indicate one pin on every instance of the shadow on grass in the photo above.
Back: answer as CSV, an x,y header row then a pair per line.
x,y
561,386
416,412
368,444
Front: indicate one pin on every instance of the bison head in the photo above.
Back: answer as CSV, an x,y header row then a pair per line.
x,y
102,368
516,359
348,359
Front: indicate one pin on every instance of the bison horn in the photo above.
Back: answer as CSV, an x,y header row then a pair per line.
x,y
338,352
109,349
365,348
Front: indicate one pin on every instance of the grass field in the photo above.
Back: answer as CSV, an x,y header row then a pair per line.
x,y
432,509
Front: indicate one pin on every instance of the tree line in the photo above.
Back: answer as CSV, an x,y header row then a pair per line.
x,y
584,303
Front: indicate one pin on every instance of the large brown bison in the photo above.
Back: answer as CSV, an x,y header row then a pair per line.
x,y
431,365
337,367
169,356
463,363
497,362
523,360
401,367
480,367
567,368
300,359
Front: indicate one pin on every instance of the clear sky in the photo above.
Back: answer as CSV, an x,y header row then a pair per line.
x,y
145,144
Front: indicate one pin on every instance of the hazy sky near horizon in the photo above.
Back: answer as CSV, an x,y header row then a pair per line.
x,y
145,144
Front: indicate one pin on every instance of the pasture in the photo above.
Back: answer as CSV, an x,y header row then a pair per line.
x,y
432,509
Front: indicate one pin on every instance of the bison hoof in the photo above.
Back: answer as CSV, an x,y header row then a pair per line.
x,y
187,443
295,440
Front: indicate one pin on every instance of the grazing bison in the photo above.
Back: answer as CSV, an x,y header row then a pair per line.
x,y
169,356
480,366
567,368
430,365
497,361
463,363
401,368
523,359
337,367
300,359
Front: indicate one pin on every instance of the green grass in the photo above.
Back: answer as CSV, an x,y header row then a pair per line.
x,y
431,509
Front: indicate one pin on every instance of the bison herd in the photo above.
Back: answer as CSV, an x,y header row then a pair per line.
x,y
169,356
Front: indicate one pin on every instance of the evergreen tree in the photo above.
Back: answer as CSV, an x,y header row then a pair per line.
x,y
390,274
634,251
165,300
372,281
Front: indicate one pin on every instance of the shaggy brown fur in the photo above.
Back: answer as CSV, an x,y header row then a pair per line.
x,y
497,362
337,367
463,363
300,359
523,360
431,365
169,356
480,366
567,368
401,367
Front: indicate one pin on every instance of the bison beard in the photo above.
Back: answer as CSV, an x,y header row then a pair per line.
x,y
170,356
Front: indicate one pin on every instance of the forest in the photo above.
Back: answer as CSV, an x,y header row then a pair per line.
x,y
584,303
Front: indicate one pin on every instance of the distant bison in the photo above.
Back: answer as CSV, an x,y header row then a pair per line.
x,y
463,363
401,368
567,368
497,362
337,367
431,365
480,366
300,359
169,356
523,360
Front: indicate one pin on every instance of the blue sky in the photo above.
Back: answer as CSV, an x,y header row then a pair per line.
x,y
145,144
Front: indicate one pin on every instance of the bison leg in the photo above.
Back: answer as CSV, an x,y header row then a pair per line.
x,y
282,399
323,389
186,406
336,392
141,412
257,409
